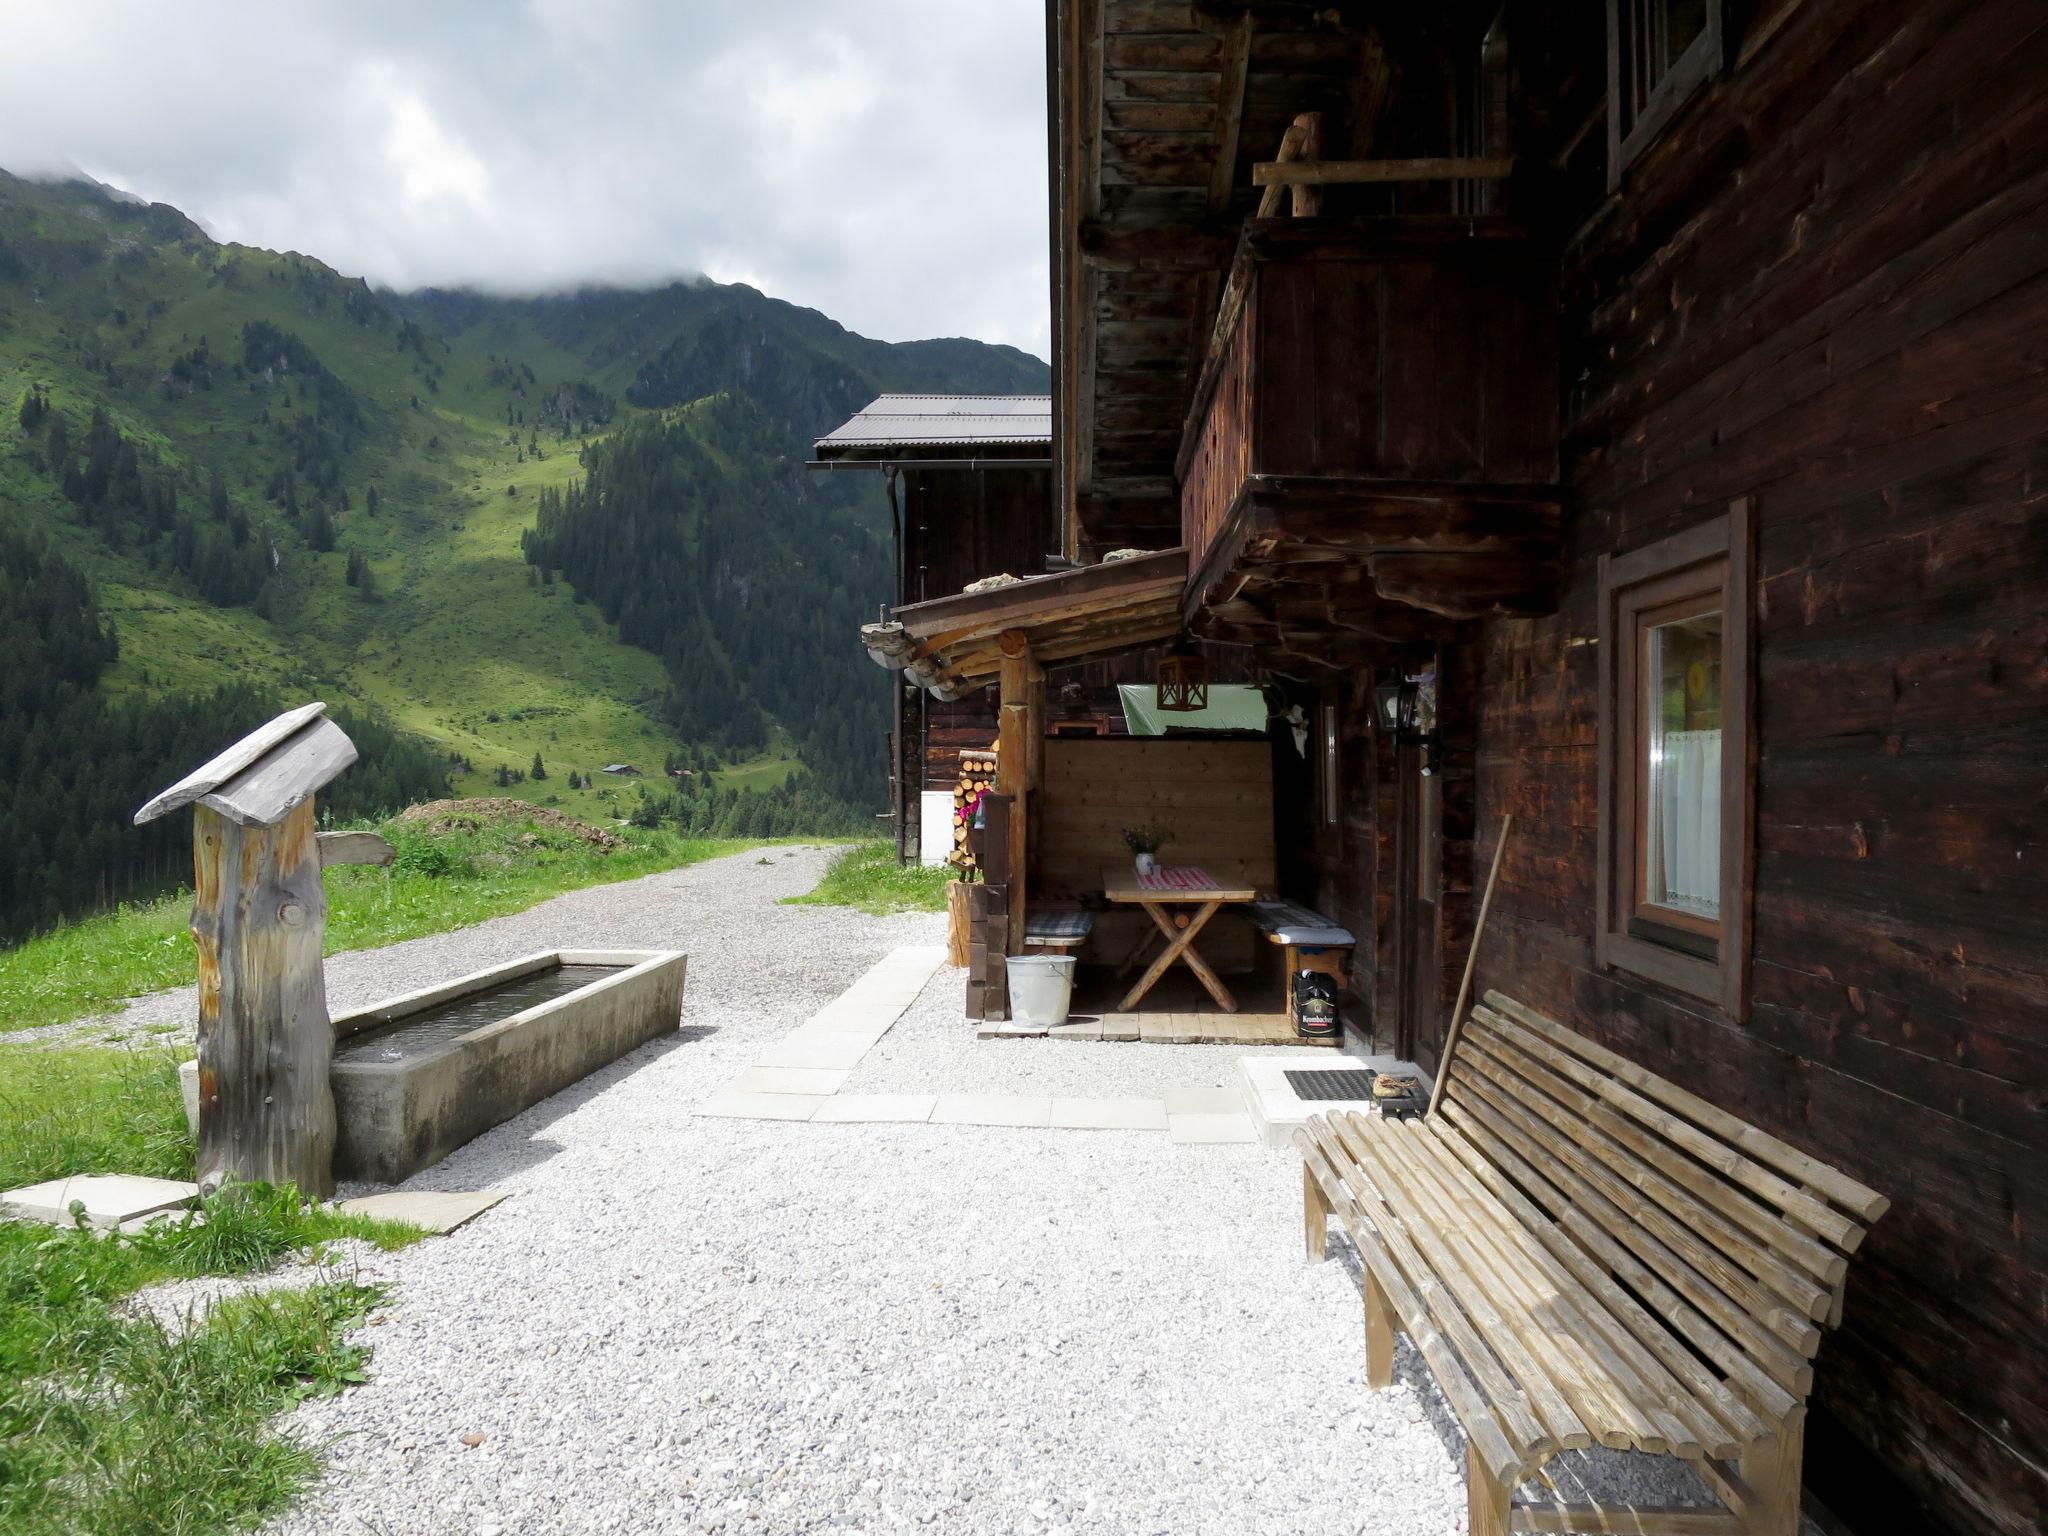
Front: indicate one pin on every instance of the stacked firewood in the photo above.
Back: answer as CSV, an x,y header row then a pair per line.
x,y
977,778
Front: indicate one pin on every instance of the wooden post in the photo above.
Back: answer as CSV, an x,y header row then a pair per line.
x,y
1021,681
1308,198
1315,1215
1379,1334
266,1111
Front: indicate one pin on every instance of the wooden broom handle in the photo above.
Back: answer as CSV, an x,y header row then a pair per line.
x,y
1443,1066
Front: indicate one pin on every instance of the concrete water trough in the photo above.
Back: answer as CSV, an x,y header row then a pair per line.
x,y
416,1076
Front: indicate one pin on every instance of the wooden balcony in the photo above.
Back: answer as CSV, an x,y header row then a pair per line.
x,y
1372,451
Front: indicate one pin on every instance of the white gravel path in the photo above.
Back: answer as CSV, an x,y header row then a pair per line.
x,y
681,1323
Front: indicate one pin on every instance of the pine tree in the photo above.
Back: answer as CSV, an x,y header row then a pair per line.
x,y
539,769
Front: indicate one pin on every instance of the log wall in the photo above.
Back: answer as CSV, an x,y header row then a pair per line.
x,y
1826,287
1216,797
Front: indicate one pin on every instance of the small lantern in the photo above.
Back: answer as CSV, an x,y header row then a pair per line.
x,y
1183,680
1406,708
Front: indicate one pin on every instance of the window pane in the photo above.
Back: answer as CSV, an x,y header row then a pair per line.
x,y
1682,835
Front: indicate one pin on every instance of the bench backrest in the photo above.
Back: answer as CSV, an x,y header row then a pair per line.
x,y
1735,1240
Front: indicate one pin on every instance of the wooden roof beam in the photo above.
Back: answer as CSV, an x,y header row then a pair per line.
x,y
1276,174
1174,248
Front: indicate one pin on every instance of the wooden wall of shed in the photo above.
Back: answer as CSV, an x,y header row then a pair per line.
x,y
963,524
1215,796
1827,288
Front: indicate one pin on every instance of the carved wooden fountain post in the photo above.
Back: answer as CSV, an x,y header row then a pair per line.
x,y
266,1111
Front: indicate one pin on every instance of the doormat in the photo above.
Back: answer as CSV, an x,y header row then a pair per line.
x,y
1324,1086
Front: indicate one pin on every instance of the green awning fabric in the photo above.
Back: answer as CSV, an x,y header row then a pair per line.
x,y
1232,707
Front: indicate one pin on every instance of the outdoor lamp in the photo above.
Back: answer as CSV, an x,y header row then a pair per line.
x,y
1407,713
1182,686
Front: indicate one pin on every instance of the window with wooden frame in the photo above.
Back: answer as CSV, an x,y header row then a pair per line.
x,y
1675,761
1658,53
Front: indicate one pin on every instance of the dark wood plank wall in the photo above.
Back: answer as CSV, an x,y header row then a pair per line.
x,y
1408,358
1827,288
963,524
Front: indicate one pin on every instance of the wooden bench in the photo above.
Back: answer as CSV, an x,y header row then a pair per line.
x,y
1585,1253
1308,941
1057,929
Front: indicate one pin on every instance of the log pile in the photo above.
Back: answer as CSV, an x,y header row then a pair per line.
x,y
977,778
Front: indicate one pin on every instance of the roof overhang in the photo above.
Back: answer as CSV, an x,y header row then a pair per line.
x,y
952,645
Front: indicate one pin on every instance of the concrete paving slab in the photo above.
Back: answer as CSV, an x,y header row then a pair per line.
x,y
731,1105
806,1080
865,1108
109,1199
1275,1110
1204,1101
1193,1130
1109,1114
840,1053
991,1109
438,1211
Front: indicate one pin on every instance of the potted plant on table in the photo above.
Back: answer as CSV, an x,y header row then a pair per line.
x,y
1145,843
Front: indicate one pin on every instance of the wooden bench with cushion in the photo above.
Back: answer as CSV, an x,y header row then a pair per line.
x,y
1585,1253
1308,941
1057,929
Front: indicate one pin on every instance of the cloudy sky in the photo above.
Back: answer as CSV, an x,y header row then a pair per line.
x,y
883,161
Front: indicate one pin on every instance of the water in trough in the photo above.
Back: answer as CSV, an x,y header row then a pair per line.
x,y
417,1034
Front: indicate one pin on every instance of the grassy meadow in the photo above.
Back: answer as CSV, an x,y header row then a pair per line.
x,y
440,881
110,1422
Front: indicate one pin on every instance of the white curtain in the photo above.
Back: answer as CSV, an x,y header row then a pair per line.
x,y
1685,851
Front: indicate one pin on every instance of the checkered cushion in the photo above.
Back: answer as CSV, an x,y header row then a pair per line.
x,y
1045,926
1285,922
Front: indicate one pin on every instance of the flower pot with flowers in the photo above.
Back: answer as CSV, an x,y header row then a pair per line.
x,y
1145,843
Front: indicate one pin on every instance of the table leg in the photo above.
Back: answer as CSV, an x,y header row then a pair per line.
x,y
1180,947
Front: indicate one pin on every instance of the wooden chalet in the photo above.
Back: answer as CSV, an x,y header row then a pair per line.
x,y
969,481
1633,420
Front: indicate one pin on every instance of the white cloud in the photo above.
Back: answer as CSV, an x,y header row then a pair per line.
x,y
884,163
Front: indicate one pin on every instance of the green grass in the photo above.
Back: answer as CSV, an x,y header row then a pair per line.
x,y
868,878
439,883
108,1423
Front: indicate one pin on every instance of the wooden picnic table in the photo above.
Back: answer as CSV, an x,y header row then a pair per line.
x,y
1172,886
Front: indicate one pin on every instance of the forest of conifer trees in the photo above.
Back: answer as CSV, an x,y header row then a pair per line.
x,y
74,765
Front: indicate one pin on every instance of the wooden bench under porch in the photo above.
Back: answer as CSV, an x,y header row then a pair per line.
x,y
1585,1253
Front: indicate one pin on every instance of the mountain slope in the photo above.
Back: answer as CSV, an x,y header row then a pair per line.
x,y
455,408
327,489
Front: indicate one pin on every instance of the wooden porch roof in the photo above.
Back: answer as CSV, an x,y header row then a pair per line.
x,y
953,644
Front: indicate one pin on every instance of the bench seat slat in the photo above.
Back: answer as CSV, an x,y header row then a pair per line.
x,y
1441,1252
1723,1419
1569,1170
1509,1149
1575,1086
1865,1203
1608,1397
1504,1461
1743,1268
1627,1374
1389,1232
1585,1252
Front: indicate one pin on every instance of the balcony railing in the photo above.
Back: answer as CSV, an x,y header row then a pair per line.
x,y
1372,450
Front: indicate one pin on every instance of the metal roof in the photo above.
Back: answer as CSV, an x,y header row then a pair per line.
x,y
931,421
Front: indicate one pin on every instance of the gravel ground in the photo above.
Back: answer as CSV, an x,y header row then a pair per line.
x,y
179,1304
684,1324
676,910
931,1050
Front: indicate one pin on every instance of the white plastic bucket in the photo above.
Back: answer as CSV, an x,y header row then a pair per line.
x,y
1041,986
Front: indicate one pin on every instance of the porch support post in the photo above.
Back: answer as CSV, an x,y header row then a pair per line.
x,y
1021,722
